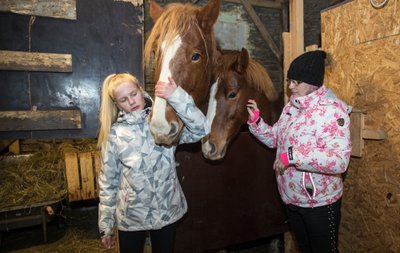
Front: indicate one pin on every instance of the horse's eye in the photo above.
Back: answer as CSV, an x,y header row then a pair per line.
x,y
196,57
232,95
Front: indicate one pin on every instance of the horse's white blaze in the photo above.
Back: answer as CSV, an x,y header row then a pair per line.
x,y
212,103
159,122
211,110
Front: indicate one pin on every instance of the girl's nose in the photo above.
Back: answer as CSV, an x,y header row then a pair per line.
x,y
131,101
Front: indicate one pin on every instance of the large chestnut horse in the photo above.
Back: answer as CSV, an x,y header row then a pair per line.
x,y
239,79
183,45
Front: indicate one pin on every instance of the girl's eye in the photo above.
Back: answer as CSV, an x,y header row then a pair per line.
x,y
196,57
232,94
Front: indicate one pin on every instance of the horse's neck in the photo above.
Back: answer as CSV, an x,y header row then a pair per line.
x,y
266,107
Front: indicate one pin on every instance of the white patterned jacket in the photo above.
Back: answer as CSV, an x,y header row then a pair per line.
x,y
139,187
313,131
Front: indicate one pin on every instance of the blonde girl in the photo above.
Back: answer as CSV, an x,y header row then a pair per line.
x,y
139,188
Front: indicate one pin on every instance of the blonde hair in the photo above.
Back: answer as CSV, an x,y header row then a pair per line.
x,y
108,108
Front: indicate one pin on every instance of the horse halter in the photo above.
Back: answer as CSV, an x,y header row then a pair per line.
x,y
204,41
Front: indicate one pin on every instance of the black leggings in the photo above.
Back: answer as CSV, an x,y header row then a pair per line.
x,y
316,229
162,240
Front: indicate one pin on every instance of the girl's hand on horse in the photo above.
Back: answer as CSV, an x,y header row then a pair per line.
x,y
165,89
252,109
108,241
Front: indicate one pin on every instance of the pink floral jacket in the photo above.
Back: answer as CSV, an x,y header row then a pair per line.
x,y
313,136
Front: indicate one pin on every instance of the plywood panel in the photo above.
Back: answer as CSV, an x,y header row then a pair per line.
x,y
364,44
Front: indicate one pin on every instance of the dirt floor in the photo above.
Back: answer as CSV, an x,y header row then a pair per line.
x,y
78,234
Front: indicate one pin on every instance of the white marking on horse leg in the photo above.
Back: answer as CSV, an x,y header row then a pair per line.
x,y
159,123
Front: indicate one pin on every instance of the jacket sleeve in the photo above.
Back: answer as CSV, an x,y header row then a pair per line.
x,y
108,185
265,133
333,150
196,124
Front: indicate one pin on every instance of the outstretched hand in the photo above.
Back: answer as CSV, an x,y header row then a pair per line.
x,y
165,89
253,110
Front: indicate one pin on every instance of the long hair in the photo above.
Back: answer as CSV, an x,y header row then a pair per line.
x,y
108,108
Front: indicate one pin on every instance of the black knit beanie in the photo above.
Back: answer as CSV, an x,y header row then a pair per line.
x,y
309,68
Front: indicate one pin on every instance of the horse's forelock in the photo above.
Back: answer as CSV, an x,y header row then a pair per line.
x,y
177,19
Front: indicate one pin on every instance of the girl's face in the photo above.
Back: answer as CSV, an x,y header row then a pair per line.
x,y
129,97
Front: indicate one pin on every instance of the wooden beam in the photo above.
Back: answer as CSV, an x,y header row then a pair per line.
x,y
29,61
260,3
261,28
296,9
63,9
287,43
40,120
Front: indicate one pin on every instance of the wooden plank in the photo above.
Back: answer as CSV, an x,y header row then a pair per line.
x,y
40,120
287,43
15,148
97,167
63,9
87,177
261,28
296,9
31,61
373,134
72,173
260,3
356,126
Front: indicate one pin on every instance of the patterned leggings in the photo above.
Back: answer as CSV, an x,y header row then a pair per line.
x,y
316,229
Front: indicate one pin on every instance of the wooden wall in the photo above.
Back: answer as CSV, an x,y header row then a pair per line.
x,y
102,37
365,72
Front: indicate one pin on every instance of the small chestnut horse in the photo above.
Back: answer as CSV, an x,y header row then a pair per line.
x,y
183,45
239,79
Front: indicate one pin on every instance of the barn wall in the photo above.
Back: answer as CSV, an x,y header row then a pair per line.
x,y
365,46
106,37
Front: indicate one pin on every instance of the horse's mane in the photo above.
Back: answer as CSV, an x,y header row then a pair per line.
x,y
176,19
256,74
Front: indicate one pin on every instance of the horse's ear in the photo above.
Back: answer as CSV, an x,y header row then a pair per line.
x,y
242,62
155,10
208,15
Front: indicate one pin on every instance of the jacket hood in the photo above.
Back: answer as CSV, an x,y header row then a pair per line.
x,y
323,95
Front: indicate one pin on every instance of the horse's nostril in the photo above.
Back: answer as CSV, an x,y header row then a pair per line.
x,y
173,129
212,148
